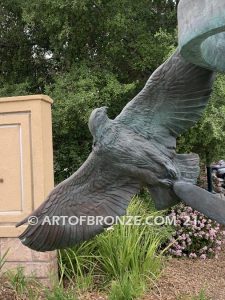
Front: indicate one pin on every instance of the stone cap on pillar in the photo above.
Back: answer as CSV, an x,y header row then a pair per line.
x,y
27,98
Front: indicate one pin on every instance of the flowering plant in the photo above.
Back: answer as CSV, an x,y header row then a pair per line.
x,y
195,235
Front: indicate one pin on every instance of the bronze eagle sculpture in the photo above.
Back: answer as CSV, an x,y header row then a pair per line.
x,y
137,148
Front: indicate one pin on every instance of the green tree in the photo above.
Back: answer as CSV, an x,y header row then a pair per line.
x,y
120,35
23,69
76,94
207,137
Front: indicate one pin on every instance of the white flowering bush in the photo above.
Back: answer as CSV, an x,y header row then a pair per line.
x,y
195,235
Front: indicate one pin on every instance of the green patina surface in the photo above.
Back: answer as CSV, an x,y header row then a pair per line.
x,y
201,32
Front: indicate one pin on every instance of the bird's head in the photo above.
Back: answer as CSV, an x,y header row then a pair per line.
x,y
98,120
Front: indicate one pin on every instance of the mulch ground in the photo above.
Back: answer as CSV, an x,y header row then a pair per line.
x,y
6,293
185,277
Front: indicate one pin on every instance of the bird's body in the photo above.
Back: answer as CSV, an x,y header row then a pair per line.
x,y
137,148
124,149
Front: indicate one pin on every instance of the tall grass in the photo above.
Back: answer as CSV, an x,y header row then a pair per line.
x,y
3,259
58,293
29,288
77,262
122,260
22,286
129,248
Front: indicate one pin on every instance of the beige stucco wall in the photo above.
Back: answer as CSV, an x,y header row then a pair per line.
x,y
26,159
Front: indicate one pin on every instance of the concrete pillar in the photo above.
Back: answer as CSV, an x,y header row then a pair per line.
x,y
26,177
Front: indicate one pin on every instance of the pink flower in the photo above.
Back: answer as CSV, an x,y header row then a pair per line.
x,y
199,230
189,209
178,253
192,255
184,236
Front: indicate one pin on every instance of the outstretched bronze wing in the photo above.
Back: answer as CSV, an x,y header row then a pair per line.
x,y
172,101
96,189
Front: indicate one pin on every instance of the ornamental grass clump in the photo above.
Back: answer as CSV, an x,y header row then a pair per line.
x,y
195,235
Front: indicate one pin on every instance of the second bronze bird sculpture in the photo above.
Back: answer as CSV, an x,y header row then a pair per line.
x,y
137,148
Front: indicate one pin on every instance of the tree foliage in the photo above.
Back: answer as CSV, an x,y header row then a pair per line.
x,y
76,94
207,137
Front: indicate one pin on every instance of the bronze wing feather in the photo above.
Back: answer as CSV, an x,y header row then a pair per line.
x,y
96,189
172,101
